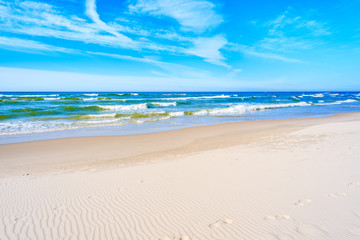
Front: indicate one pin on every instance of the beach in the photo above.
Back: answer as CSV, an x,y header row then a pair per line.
x,y
266,179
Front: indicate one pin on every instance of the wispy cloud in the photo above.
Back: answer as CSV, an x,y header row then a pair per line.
x,y
35,19
170,68
192,15
23,45
291,23
92,13
252,51
41,19
286,34
290,32
209,49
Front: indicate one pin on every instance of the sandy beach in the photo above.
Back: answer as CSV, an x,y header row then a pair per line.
x,y
260,180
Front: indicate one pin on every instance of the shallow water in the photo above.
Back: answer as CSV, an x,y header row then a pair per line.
x,y
36,115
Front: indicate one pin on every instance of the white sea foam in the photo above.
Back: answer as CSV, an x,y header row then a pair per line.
x,y
141,106
339,102
91,94
176,114
24,127
52,98
318,95
242,108
28,96
163,104
200,97
89,99
201,113
106,115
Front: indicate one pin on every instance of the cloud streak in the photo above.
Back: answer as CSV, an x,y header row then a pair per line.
x,y
209,49
171,68
192,15
252,51
30,46
36,19
93,15
289,32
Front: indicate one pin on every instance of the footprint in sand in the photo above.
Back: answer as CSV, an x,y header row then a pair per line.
x,y
277,217
219,222
354,184
337,195
303,202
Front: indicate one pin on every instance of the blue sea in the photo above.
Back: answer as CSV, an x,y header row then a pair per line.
x,y
27,116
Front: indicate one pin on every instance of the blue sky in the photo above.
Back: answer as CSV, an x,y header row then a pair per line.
x,y
179,45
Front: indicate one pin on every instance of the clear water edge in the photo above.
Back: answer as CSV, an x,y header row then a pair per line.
x,y
154,112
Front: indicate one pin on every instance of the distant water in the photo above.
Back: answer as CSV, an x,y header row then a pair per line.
x,y
24,113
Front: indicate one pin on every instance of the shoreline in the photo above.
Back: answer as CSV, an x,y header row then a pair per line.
x,y
84,153
135,129
33,117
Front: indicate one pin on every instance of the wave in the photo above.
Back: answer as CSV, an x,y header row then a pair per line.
x,y
200,97
339,102
29,96
14,100
97,108
163,104
28,112
72,98
134,115
176,114
317,95
141,106
90,99
81,108
92,116
91,94
242,108
51,98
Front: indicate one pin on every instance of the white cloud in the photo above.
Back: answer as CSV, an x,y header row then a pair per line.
x,y
37,19
92,13
124,57
23,45
209,49
192,15
41,19
289,32
172,68
252,51
290,24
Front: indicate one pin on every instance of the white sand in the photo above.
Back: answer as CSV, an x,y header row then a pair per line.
x,y
294,184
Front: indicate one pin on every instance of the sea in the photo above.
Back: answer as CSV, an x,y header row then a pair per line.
x,y
32,116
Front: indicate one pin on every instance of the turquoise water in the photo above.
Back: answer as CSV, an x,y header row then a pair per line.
x,y
41,112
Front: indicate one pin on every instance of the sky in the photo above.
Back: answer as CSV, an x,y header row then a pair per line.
x,y
179,45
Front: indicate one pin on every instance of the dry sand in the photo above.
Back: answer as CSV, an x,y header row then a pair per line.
x,y
279,179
